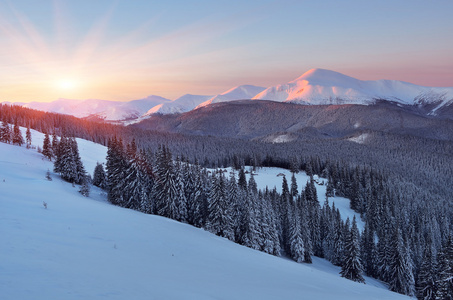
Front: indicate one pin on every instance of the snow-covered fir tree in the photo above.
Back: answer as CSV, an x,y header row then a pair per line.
x,y
28,137
445,271
68,163
219,219
426,279
296,241
85,187
401,268
99,177
47,147
17,135
115,171
352,266
5,132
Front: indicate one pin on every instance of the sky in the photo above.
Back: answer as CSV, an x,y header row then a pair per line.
x,y
129,49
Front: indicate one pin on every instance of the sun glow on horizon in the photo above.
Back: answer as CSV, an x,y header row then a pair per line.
x,y
66,84
119,51
129,64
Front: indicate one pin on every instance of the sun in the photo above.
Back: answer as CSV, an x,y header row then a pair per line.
x,y
66,84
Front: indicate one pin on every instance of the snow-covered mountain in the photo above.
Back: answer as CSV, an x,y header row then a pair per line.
x,y
319,86
315,87
182,104
237,93
104,109
86,248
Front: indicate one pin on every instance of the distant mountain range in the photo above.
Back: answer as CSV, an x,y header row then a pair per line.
x,y
315,87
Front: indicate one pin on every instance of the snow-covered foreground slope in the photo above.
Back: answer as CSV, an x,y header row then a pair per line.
x,y
85,248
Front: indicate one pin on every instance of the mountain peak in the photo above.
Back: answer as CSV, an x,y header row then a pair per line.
x,y
326,77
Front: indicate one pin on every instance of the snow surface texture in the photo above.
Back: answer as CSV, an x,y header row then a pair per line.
x,y
317,86
85,248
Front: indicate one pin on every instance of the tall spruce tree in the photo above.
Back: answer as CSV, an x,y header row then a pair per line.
x,y
294,191
99,177
368,251
28,137
115,170
219,215
401,268
80,169
5,132
46,147
17,135
426,279
352,266
68,162
296,241
250,225
55,143
445,271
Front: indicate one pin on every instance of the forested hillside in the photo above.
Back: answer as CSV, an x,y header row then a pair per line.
x,y
401,184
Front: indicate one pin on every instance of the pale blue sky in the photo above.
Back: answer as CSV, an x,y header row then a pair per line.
x,y
124,50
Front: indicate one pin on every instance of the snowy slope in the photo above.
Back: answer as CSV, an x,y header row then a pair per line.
x,y
182,104
319,86
85,248
237,93
108,110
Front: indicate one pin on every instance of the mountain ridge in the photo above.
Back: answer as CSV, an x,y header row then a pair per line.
x,y
262,120
314,87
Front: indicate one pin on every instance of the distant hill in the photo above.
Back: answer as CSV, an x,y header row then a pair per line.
x,y
274,121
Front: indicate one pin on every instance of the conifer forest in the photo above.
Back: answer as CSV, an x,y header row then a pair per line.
x,y
401,185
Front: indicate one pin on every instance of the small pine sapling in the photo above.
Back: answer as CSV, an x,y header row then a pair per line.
x,y
48,176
